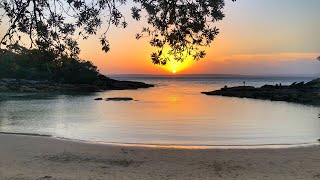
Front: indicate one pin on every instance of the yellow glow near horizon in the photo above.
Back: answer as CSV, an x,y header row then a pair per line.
x,y
174,66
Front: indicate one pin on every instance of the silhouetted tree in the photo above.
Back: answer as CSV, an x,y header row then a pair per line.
x,y
318,58
56,25
21,63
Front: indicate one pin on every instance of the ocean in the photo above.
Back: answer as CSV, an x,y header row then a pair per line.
x,y
173,113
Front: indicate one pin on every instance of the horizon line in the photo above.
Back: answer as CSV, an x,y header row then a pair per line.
x,y
206,74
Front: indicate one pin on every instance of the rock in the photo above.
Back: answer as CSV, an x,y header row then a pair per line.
x,y
8,80
314,83
23,85
112,84
3,88
308,93
27,89
119,99
98,99
42,87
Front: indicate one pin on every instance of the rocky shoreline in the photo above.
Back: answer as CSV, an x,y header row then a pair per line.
x,y
22,85
303,93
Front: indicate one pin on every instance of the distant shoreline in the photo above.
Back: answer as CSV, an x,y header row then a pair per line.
x,y
23,85
49,158
297,92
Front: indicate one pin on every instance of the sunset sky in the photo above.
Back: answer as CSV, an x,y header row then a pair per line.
x,y
266,37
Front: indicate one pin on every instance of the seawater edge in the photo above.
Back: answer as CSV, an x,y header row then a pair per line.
x,y
169,146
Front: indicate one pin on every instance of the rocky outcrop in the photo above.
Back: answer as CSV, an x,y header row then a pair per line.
x,y
304,93
119,99
22,85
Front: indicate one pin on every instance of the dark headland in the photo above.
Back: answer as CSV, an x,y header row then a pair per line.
x,y
303,93
23,85
32,70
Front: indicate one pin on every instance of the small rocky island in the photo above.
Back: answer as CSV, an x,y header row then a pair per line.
x,y
303,93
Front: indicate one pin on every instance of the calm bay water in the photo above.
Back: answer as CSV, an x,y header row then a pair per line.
x,y
174,112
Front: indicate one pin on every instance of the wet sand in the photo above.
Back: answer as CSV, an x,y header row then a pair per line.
x,y
35,157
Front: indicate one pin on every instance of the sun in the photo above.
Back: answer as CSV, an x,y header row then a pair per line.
x,y
174,66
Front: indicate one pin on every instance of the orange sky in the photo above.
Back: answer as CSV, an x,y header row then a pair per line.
x,y
267,37
252,41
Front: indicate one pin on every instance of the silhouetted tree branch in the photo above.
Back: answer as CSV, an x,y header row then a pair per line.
x,y
56,25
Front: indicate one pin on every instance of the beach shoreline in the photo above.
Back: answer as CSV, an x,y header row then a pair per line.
x,y
171,146
38,157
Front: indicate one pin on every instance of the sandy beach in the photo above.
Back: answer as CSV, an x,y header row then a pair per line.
x,y
32,157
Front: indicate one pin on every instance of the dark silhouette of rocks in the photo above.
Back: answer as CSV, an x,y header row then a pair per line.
x,y
304,93
22,85
119,99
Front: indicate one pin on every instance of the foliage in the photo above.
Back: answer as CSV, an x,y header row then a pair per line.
x,y
56,25
21,63
318,58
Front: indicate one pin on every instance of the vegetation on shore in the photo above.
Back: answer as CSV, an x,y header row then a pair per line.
x,y
21,63
22,69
